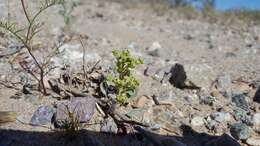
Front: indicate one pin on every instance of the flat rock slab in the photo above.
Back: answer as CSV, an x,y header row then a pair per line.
x,y
82,107
43,115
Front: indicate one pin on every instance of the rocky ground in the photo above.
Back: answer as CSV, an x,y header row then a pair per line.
x,y
223,61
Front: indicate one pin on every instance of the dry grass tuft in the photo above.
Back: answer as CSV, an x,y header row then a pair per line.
x,y
7,116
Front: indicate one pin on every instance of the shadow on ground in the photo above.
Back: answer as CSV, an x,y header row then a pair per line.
x,y
91,138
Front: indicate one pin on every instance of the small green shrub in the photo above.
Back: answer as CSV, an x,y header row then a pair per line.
x,y
125,82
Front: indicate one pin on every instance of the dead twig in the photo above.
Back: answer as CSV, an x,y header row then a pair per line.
x,y
10,85
94,67
84,56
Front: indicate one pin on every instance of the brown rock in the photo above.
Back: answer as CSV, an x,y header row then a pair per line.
x,y
140,102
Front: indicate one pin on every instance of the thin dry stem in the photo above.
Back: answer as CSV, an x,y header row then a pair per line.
x,y
84,56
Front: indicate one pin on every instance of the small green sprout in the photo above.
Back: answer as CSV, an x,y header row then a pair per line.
x,y
125,82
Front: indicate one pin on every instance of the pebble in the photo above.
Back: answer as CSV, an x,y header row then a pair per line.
x,y
155,127
241,115
240,131
197,121
141,102
191,98
253,141
154,53
256,119
240,101
43,115
211,124
224,85
150,70
155,45
108,126
154,49
166,97
136,114
188,37
221,116
208,100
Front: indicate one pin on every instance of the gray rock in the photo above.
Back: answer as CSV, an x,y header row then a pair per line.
x,y
150,70
209,100
155,127
82,107
257,95
241,115
221,116
162,74
137,114
240,101
154,49
256,119
191,98
240,131
166,97
43,115
197,121
224,85
154,53
108,125
212,124
253,141
201,75
224,140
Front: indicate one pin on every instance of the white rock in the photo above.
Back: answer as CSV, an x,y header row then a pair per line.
x,y
197,121
256,119
201,75
155,45
253,141
221,116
